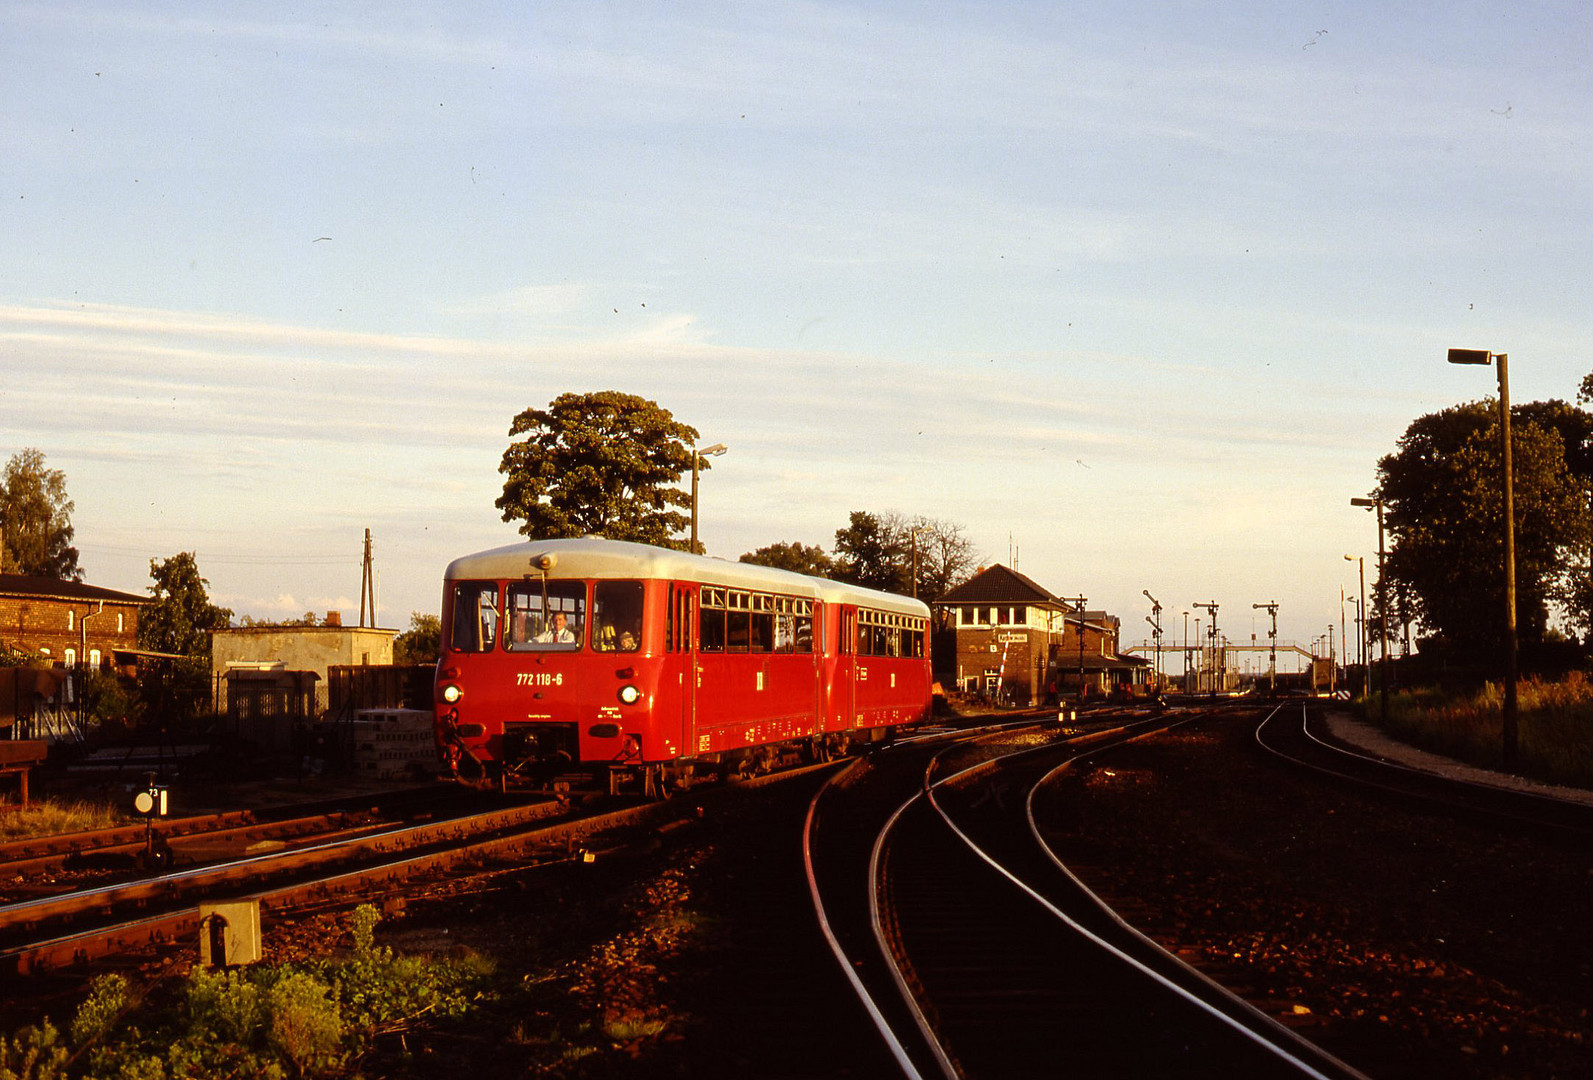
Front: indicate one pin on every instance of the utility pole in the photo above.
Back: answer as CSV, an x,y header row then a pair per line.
x,y
367,583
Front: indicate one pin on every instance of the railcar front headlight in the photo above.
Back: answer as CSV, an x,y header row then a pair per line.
x,y
629,695
452,693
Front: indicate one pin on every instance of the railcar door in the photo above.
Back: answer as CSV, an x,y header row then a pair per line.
x,y
680,675
849,671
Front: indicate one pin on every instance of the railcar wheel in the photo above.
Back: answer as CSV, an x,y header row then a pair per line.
x,y
658,782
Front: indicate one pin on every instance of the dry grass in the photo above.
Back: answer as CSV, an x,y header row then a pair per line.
x,y
1555,722
48,817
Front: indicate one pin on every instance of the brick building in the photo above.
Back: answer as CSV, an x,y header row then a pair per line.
x,y
1016,642
68,622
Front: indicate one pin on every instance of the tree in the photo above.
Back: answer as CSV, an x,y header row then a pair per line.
x,y
36,520
181,617
797,557
869,553
421,643
880,551
601,464
1442,490
946,557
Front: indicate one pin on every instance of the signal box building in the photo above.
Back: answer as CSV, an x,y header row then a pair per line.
x,y
1018,644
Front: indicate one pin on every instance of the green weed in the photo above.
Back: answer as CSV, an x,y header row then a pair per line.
x,y
266,1022
1555,721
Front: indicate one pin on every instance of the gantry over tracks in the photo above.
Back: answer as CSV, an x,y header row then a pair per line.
x,y
975,951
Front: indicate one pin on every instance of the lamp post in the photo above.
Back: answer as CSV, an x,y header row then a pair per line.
x,y
1360,624
1185,685
1382,606
1155,619
1484,357
696,456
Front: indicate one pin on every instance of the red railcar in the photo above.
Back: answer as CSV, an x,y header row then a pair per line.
x,y
657,667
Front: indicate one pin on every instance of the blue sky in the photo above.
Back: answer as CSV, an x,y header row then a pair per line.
x,y
1139,293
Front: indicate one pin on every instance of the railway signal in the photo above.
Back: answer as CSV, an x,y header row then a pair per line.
x,y
1210,608
152,803
1272,645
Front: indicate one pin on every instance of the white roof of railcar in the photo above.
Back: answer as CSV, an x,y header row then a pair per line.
x,y
595,558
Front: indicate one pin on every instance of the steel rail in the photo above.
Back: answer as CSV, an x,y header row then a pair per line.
x,y
33,912
162,928
876,1015
1276,1029
1125,957
897,1050
287,830
876,859
1452,793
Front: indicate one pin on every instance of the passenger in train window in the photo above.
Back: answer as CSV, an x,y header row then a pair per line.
x,y
559,632
617,616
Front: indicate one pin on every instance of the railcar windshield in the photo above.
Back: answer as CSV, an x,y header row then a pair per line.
x,y
475,619
531,627
617,616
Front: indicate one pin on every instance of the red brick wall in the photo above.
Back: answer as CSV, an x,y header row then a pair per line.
x,y
36,623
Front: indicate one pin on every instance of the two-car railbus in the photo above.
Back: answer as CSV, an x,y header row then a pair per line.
x,y
657,667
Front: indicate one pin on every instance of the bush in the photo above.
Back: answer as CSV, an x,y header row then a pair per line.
x,y
33,1055
306,1027
258,1023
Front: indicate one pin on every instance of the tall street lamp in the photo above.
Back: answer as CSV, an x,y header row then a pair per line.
x,y
1185,686
696,456
1360,624
1382,605
1484,357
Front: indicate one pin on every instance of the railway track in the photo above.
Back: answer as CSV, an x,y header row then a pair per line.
x,y
978,955
161,909
1293,734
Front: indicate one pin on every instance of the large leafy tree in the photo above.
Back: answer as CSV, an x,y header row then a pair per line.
x,y
869,553
180,618
604,464
1443,492
36,520
797,557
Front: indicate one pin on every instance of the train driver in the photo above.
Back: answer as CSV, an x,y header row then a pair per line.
x,y
559,632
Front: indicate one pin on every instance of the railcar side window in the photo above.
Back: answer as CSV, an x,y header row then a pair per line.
x,y
711,621
617,616
560,627
475,620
